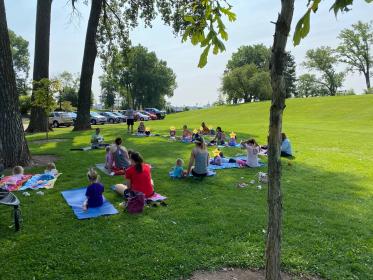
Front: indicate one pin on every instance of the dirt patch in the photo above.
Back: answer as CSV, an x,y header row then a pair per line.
x,y
42,160
242,274
44,141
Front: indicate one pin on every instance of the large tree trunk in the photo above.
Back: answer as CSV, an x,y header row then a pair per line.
x,y
13,145
89,57
38,117
278,60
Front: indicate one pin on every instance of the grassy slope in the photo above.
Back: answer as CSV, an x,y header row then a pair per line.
x,y
328,205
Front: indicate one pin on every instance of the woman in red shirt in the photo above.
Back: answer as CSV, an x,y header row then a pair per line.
x,y
138,177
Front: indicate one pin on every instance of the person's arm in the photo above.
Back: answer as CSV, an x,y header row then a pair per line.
x,y
191,162
125,154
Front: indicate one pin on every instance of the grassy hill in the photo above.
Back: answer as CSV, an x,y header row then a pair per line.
x,y
327,191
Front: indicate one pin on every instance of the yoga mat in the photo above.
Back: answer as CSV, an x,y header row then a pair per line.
x,y
81,149
227,146
209,174
101,167
226,165
156,197
75,199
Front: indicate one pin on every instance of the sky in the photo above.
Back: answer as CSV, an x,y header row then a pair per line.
x,y
195,86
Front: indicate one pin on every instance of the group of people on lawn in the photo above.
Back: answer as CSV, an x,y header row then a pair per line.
x,y
120,161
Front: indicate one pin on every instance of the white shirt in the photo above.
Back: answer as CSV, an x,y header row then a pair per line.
x,y
252,156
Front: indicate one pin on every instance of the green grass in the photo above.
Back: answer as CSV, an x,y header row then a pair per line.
x,y
327,192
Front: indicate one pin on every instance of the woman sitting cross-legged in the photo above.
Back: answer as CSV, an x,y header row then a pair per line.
x,y
199,159
138,177
120,157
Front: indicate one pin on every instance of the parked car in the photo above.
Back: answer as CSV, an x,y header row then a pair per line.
x,y
97,118
111,118
121,117
160,114
73,115
150,115
57,119
141,117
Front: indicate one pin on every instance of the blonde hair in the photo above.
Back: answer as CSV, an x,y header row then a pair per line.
x,y
92,175
17,170
51,166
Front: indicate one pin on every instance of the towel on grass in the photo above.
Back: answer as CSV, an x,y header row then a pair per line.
x,y
8,182
75,199
156,197
40,181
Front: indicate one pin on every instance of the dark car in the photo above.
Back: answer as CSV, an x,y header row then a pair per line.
x,y
111,118
160,114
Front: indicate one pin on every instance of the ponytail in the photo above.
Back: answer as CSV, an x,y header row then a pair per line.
x,y
138,160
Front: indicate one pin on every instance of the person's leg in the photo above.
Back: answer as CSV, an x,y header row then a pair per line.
x,y
283,154
132,128
120,189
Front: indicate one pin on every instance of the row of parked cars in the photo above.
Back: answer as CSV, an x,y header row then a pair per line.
x,y
57,119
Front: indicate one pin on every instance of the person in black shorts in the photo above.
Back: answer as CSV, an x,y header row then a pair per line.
x,y
130,119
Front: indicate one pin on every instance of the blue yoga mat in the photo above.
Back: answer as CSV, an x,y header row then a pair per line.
x,y
75,199
227,146
223,166
209,173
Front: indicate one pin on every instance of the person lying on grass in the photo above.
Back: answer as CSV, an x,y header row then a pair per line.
x,y
120,157
199,159
220,159
219,138
253,150
17,176
286,150
94,191
138,177
97,139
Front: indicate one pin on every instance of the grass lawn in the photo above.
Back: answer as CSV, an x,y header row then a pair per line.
x,y
327,192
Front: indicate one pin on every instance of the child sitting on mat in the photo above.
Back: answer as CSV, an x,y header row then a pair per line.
x,y
253,150
97,139
219,138
187,134
15,178
232,139
108,159
94,191
220,159
141,128
178,170
204,129
51,169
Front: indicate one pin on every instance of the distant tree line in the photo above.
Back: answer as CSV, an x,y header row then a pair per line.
x,y
247,77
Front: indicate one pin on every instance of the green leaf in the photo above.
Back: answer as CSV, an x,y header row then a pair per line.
x,y
302,28
203,58
195,38
216,49
231,16
189,19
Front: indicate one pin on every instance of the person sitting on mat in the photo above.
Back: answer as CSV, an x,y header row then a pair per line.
x,y
108,159
141,128
94,191
232,139
204,129
51,169
286,150
253,150
199,159
17,175
138,177
120,157
219,138
187,134
178,170
97,139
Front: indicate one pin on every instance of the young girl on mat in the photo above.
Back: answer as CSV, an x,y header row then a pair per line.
x,y
199,159
178,170
187,134
219,138
141,128
138,177
94,191
253,150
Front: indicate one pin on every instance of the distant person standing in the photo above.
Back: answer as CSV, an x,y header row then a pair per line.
x,y
130,119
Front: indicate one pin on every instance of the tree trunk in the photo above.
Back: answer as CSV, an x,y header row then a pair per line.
x,y
41,61
13,145
89,57
367,80
273,246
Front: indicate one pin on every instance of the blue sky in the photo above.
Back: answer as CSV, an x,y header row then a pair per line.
x,y
195,86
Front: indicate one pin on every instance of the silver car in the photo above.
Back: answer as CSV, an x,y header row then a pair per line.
x,y
57,119
96,118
